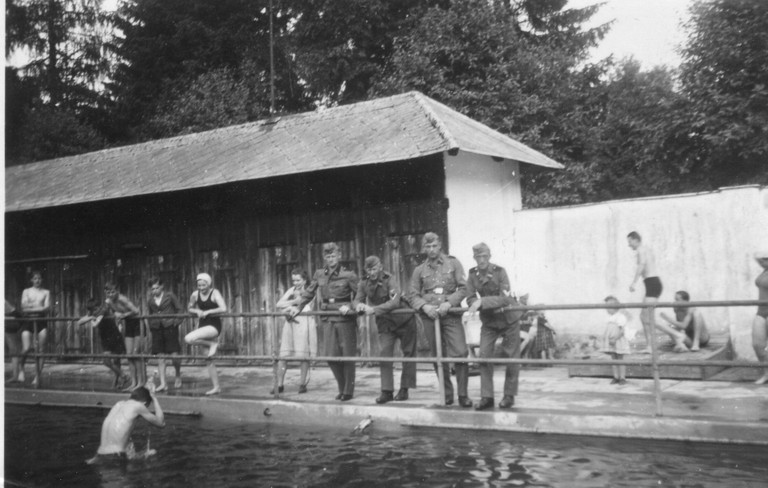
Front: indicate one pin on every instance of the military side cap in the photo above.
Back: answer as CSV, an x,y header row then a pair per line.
x,y
430,237
372,261
481,248
330,248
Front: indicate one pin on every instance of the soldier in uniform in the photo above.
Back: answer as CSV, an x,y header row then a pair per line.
x,y
488,291
438,285
378,295
335,288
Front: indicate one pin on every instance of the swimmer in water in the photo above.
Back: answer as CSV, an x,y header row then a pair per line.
x,y
117,427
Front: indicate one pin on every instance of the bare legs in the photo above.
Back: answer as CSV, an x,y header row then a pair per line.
x,y
645,318
114,365
136,366
619,370
14,348
759,340
675,335
645,315
207,336
161,364
700,335
282,367
26,347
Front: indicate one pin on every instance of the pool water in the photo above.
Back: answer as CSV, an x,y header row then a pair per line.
x,y
47,446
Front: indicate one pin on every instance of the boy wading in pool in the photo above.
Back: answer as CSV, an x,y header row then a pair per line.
x,y
117,427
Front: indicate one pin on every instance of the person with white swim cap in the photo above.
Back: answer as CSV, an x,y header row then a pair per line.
x,y
207,303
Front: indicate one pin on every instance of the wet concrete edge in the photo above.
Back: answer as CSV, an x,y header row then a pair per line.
x,y
390,417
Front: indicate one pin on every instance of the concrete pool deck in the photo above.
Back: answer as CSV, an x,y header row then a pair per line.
x,y
727,408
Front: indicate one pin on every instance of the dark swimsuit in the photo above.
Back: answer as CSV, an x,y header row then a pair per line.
x,y
652,287
132,327
30,326
208,304
111,339
690,331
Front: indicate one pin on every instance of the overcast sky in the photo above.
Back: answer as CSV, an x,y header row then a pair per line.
x,y
648,30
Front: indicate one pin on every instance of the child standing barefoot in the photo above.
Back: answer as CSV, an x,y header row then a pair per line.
x,y
615,340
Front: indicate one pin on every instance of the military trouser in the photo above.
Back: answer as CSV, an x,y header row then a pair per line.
x,y
389,332
454,345
510,334
340,339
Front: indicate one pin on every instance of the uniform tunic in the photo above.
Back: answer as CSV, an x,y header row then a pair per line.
x,y
492,285
384,296
434,282
334,288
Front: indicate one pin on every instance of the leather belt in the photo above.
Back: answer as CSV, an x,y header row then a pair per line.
x,y
338,300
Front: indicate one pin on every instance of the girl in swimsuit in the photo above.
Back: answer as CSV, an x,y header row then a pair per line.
x,y
207,303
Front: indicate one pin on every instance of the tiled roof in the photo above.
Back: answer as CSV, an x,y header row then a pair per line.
x,y
378,131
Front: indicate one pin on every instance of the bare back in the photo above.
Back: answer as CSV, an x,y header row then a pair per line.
x,y
117,427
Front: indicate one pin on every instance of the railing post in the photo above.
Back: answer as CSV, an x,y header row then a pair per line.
x,y
655,360
275,352
439,352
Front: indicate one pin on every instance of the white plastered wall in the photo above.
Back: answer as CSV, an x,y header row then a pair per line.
x,y
483,196
703,243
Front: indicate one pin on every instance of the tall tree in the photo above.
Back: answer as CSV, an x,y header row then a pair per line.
x,y
170,49
621,143
490,62
53,98
341,45
62,40
725,78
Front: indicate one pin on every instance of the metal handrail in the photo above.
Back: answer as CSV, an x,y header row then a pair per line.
x,y
653,361
519,308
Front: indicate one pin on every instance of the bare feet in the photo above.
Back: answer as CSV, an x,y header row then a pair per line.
x,y
36,382
177,383
680,347
214,391
647,350
694,349
762,380
21,377
212,349
162,387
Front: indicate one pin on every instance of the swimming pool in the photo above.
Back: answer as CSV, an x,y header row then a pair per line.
x,y
46,446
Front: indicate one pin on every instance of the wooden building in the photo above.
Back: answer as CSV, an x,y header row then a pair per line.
x,y
248,203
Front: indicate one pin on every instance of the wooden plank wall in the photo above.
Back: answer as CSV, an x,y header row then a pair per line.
x,y
250,261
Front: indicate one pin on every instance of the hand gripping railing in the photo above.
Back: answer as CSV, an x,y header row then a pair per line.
x,y
274,357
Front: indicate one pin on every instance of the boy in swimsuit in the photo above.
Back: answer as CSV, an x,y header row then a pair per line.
x,y
112,341
117,427
35,302
690,321
646,268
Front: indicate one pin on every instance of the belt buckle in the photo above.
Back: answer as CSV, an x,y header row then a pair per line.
x,y
438,291
331,300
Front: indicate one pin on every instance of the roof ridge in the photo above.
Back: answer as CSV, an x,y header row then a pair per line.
x,y
435,120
